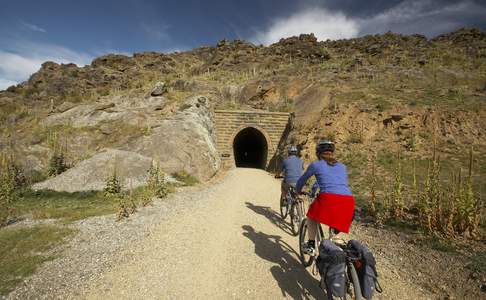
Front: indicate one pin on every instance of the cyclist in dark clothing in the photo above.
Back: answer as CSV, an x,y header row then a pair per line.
x,y
292,167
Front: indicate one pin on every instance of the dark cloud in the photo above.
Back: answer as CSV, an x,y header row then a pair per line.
x,y
345,18
353,8
426,17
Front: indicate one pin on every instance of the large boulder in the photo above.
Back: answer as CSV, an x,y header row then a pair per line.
x,y
133,111
185,142
92,173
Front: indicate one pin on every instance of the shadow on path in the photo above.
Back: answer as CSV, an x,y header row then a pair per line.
x,y
293,279
271,215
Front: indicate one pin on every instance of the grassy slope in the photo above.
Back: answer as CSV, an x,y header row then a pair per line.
x,y
23,249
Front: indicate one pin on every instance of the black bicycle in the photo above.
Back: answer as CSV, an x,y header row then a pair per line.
x,y
293,206
352,258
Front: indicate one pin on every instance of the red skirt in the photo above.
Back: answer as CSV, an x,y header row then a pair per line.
x,y
333,210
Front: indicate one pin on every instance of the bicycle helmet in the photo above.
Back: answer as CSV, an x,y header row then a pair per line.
x,y
293,150
325,145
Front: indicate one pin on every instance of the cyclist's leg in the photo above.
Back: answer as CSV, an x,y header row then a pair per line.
x,y
283,190
310,244
311,229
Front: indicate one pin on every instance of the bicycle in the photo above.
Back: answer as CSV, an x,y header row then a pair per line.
x,y
351,258
293,206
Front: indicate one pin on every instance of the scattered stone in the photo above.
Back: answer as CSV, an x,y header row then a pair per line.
x,y
65,106
159,89
104,106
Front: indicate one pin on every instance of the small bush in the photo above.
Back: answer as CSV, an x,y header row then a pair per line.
x,y
157,187
11,180
355,138
57,164
185,178
411,142
156,182
36,176
113,185
114,193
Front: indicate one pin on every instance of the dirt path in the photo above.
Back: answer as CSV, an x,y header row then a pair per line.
x,y
230,244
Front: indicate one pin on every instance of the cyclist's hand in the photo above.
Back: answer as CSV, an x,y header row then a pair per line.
x,y
303,194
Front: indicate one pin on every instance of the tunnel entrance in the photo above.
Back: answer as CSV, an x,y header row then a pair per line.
x,y
250,149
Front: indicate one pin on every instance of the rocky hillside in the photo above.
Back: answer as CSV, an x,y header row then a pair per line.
x,y
374,94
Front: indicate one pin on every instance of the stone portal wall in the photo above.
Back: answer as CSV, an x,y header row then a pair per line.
x,y
229,123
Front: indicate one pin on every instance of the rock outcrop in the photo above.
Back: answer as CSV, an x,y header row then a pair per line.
x,y
184,142
92,173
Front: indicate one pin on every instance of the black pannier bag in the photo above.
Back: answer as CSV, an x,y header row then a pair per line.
x,y
331,264
366,269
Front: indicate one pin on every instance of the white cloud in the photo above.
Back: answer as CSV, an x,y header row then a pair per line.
x,y
323,23
33,27
4,83
25,58
429,17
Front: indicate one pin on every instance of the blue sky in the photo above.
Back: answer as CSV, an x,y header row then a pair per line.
x,y
32,32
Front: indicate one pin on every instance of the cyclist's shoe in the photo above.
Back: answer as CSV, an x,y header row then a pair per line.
x,y
309,248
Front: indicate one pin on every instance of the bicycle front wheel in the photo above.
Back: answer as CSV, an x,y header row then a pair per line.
x,y
295,219
306,259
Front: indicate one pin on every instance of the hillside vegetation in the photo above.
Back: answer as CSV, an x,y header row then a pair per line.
x,y
380,97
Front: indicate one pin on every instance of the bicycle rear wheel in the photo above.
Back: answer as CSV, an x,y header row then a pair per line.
x,y
353,277
284,207
306,259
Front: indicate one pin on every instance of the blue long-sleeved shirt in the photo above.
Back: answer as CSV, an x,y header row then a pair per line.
x,y
331,179
292,167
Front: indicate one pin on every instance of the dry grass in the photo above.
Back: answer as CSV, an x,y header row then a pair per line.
x,y
443,203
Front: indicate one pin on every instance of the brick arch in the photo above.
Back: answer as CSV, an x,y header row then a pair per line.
x,y
228,123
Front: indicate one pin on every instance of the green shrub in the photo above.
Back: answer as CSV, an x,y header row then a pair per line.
x,y
57,164
185,178
156,182
11,180
113,185
57,161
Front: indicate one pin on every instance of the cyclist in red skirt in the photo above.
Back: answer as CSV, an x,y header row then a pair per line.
x,y
334,205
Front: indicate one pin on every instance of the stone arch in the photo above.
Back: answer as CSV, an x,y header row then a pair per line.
x,y
228,123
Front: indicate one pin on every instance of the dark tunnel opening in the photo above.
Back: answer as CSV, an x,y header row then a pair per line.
x,y
250,149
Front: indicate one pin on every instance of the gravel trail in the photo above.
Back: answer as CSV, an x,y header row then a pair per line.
x,y
221,240
230,244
